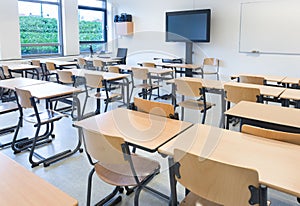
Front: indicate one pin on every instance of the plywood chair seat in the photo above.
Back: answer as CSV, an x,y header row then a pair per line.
x,y
193,199
45,116
195,104
118,174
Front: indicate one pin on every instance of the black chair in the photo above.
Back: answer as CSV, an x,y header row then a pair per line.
x,y
122,53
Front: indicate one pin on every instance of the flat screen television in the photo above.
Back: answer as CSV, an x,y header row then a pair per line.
x,y
190,25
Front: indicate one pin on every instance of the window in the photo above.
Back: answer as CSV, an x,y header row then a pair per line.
x,y
92,24
40,27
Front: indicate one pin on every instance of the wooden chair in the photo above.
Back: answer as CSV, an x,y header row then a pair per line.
x,y
65,77
235,94
142,74
293,138
6,72
148,64
39,72
81,62
214,183
116,166
50,70
6,94
210,66
197,100
252,79
98,65
95,81
39,119
156,108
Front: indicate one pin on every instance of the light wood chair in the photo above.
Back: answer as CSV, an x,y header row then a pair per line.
x,y
156,108
95,81
142,74
210,66
6,72
116,166
65,77
235,94
252,79
39,72
213,183
50,70
148,64
81,62
98,65
197,98
293,138
39,119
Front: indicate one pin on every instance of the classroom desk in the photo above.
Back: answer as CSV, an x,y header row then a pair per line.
x,y
59,63
22,68
291,95
145,131
211,86
267,116
19,82
268,78
107,61
275,161
290,81
21,187
189,68
51,91
267,91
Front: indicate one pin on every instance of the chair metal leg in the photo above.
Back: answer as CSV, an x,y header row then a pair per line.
x,y
89,189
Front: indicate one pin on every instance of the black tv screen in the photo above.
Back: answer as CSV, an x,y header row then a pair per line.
x,y
192,25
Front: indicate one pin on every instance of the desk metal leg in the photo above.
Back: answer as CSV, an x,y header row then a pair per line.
x,y
173,182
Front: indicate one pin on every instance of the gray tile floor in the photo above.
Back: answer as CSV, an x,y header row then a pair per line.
x,y
70,175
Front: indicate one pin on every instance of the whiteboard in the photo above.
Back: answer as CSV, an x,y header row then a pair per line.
x,y
271,27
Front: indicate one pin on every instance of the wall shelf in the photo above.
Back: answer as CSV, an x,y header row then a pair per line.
x,y
124,28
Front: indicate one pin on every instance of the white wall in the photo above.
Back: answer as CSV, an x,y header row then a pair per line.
x,y
148,40
9,30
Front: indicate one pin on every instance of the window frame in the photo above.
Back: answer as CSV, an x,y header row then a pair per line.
x,y
100,9
60,31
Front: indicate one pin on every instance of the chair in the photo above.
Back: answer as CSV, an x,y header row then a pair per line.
x,y
39,72
44,118
116,166
6,72
98,65
116,69
65,77
50,70
293,138
214,183
122,53
252,79
95,81
156,108
147,86
81,62
197,100
235,94
148,64
210,66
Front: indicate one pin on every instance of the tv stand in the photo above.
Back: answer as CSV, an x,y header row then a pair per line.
x,y
189,58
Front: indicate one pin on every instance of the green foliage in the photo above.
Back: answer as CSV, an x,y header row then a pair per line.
x,y
36,29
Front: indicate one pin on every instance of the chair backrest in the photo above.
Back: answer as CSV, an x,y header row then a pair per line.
x,y
151,107
122,52
93,80
107,150
140,73
235,93
98,63
6,72
293,138
65,77
252,79
188,88
81,62
218,182
36,62
50,66
211,61
114,69
148,64
24,98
